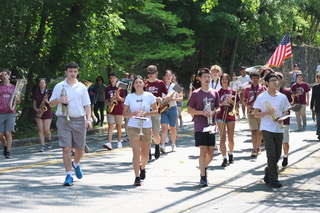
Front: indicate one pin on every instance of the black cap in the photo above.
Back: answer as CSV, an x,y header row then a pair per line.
x,y
295,65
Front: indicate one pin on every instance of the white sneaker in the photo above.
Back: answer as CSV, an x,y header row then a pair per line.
x,y
216,151
162,148
167,140
107,146
174,148
119,145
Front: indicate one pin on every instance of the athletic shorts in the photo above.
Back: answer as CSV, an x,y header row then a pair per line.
x,y
170,116
117,119
155,123
286,134
133,132
204,139
71,133
226,122
7,121
254,123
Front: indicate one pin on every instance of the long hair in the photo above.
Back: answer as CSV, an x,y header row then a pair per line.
x,y
133,88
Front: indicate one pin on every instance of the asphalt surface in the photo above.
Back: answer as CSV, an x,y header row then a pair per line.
x,y
32,181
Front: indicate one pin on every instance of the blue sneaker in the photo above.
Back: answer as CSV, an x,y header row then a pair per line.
x,y
78,170
68,181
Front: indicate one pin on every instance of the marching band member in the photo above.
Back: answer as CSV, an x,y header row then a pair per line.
x,y
269,106
226,120
249,96
196,105
139,103
44,113
216,72
243,79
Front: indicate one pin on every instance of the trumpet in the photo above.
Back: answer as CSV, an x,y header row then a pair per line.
x,y
273,115
16,93
65,110
234,112
208,107
142,109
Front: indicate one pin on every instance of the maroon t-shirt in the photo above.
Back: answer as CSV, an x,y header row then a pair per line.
x,y
156,88
251,93
197,102
301,89
38,97
288,94
223,94
110,92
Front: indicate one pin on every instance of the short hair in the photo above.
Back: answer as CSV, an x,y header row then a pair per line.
x,y
254,73
152,68
270,75
100,77
225,75
263,69
299,74
203,70
216,67
113,74
279,74
7,71
72,65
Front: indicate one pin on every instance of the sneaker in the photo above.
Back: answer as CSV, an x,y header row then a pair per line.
x,y
125,139
225,163
108,146
157,151
78,170
259,151
299,129
244,117
304,127
119,144
254,153
42,149
216,151
167,140
162,148
96,123
266,176
137,182
231,160
8,155
285,162
275,183
86,148
174,147
142,174
68,181
203,181
49,144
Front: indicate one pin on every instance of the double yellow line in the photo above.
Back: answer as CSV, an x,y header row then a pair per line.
x,y
56,161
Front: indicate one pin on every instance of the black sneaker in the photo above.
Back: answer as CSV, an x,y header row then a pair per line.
x,y
266,176
203,181
137,182
231,160
275,183
285,161
142,174
157,151
225,163
8,155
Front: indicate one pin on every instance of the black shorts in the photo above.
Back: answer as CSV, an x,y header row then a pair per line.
x,y
205,139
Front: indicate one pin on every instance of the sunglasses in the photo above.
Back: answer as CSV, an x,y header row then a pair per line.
x,y
151,73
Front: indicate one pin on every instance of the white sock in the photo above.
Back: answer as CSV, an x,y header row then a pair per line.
x,y
69,173
285,156
76,164
224,157
230,153
119,142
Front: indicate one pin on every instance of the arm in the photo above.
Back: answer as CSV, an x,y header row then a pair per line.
x,y
308,98
35,107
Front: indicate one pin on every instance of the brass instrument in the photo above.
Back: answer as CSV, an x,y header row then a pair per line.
x,y
65,107
16,93
295,107
165,104
86,83
234,86
43,108
142,109
224,118
273,115
114,101
207,107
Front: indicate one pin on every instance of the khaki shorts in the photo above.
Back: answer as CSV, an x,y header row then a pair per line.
x,y
72,133
117,119
155,123
133,133
254,123
286,134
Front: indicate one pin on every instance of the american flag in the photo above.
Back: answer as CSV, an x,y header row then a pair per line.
x,y
282,52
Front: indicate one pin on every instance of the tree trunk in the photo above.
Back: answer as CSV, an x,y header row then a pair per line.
x,y
233,55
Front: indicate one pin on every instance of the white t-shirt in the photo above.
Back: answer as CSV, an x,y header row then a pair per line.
x,y
138,102
215,84
170,91
244,79
78,97
318,69
280,101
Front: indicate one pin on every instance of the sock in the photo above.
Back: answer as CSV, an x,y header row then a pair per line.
x,y
285,156
69,173
119,142
230,153
76,164
224,157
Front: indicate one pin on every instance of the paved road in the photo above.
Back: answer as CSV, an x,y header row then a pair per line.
x,y
32,181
